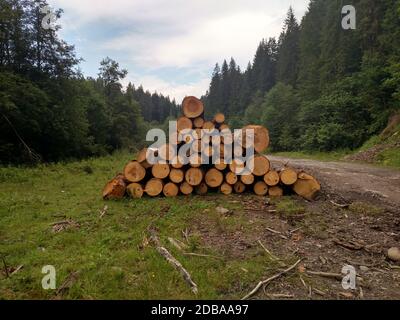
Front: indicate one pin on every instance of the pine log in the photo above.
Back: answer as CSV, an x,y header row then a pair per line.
x,y
247,179
202,189
260,188
192,107
176,175
194,176
221,166
226,189
261,165
261,138
135,190
239,187
154,187
170,190
214,178
307,186
272,178
288,176
184,123
134,172
237,166
115,189
198,122
160,170
219,118
231,178
275,191
186,188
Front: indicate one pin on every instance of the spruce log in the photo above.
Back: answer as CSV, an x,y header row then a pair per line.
x,y
198,122
214,178
261,165
142,158
260,188
221,166
226,189
195,161
208,125
134,172
192,107
288,176
167,152
239,187
272,178
247,179
237,166
177,162
170,190
176,175
160,170
219,118
231,178
184,123
275,191
186,188
261,138
306,186
154,187
115,189
135,190
194,176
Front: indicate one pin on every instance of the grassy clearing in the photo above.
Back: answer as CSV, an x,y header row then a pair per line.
x,y
112,255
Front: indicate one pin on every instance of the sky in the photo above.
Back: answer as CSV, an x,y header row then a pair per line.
x,y
170,46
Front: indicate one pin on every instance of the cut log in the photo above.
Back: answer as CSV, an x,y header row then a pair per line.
x,y
198,122
275,191
135,190
247,179
261,138
221,166
288,176
115,189
194,176
177,162
272,178
219,118
307,186
167,152
134,172
176,175
214,178
223,127
226,189
208,125
192,107
186,188
160,170
142,158
170,190
184,123
199,133
231,178
195,161
154,187
239,187
202,189
237,166
261,165
260,188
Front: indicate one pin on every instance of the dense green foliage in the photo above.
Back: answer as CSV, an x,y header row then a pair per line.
x,y
319,87
48,110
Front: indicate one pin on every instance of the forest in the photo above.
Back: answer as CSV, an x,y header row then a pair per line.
x,y
317,87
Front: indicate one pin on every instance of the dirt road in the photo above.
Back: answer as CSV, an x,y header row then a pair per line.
x,y
351,180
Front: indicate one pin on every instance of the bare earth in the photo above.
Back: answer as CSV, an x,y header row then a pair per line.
x,y
352,180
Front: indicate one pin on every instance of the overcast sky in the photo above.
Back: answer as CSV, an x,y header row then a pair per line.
x,y
171,46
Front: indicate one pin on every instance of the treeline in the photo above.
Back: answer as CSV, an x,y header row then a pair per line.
x,y
318,87
48,110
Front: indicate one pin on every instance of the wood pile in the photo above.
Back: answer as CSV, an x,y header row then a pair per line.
x,y
171,178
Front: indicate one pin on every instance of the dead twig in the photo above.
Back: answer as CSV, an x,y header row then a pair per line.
x,y
280,296
342,206
268,252
174,262
16,270
351,246
103,212
277,232
201,255
177,244
265,282
336,276
186,235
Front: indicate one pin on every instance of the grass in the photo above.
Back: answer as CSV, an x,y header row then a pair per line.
x,y
112,255
321,156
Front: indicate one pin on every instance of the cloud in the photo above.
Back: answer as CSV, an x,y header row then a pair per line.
x,y
185,37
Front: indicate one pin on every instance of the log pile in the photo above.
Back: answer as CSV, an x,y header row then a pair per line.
x,y
171,178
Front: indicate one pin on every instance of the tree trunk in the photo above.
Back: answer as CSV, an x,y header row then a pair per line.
x,y
288,176
154,187
307,186
160,170
134,172
272,178
214,178
170,190
260,188
115,189
194,176
192,107
135,190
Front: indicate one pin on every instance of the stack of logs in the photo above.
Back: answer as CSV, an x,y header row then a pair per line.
x,y
172,178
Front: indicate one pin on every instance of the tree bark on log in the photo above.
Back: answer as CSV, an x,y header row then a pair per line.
x,y
115,189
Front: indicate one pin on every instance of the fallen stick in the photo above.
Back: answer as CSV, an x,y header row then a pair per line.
x,y
343,206
175,263
200,255
103,212
336,276
16,270
267,251
264,282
